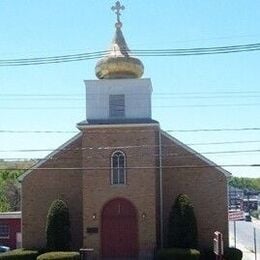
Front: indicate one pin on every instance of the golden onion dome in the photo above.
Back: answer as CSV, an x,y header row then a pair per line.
x,y
118,64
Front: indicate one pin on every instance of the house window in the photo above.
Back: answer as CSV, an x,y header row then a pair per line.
x,y
117,106
4,231
118,168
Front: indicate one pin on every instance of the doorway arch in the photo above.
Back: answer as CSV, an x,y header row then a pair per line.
x,y
119,229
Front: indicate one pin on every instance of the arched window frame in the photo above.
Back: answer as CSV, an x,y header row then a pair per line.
x,y
116,172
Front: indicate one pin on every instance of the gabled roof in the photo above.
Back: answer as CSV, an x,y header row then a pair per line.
x,y
56,151
195,153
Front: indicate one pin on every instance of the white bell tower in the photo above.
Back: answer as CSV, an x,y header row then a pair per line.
x,y
119,94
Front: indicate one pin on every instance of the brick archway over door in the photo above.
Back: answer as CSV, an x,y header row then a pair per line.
x,y
119,231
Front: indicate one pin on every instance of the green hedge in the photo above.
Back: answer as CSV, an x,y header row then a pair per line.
x,y
182,231
58,227
178,254
232,253
60,256
19,254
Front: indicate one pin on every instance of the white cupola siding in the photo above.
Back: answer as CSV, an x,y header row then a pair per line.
x,y
111,99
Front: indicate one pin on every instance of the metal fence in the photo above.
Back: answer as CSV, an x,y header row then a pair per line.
x,y
246,236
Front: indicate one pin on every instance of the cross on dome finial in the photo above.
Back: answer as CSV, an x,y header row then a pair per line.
x,y
118,63
117,8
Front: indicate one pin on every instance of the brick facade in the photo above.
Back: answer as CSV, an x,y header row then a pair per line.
x,y
86,191
41,186
205,185
139,146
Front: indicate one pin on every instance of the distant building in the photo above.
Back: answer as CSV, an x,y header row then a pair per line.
x,y
236,197
251,200
122,173
245,200
10,229
250,204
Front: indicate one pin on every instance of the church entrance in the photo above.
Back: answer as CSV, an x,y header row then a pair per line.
x,y
119,231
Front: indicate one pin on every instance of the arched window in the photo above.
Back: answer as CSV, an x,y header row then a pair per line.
x,y
118,168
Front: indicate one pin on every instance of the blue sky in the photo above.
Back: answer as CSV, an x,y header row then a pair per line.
x,y
54,27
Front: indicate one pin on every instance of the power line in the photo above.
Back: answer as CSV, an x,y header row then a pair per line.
x,y
207,93
227,142
144,52
155,93
53,59
37,132
137,167
125,147
158,97
139,130
214,130
164,155
159,106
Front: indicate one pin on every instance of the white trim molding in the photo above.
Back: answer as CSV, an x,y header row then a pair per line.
x,y
118,169
87,126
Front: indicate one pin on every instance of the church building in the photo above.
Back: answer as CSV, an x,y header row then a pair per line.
x,y
122,173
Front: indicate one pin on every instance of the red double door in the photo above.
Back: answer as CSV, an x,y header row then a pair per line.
x,y
119,233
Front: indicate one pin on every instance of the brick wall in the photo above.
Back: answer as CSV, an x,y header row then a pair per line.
x,y
87,191
41,187
206,186
140,188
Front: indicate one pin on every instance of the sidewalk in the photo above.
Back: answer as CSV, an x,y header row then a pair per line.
x,y
256,222
247,254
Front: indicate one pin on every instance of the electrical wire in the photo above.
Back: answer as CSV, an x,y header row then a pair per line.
x,y
140,53
133,95
133,130
38,132
137,167
155,107
125,147
214,130
195,94
171,155
155,93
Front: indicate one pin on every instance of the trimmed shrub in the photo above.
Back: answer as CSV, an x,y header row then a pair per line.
x,y
232,253
182,225
178,254
60,256
58,227
19,254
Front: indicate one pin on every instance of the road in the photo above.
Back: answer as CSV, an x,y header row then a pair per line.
x,y
245,237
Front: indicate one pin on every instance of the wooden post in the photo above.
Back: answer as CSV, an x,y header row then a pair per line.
x,y
218,245
235,234
255,244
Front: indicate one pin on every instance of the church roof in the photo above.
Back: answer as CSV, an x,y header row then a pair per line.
x,y
79,135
